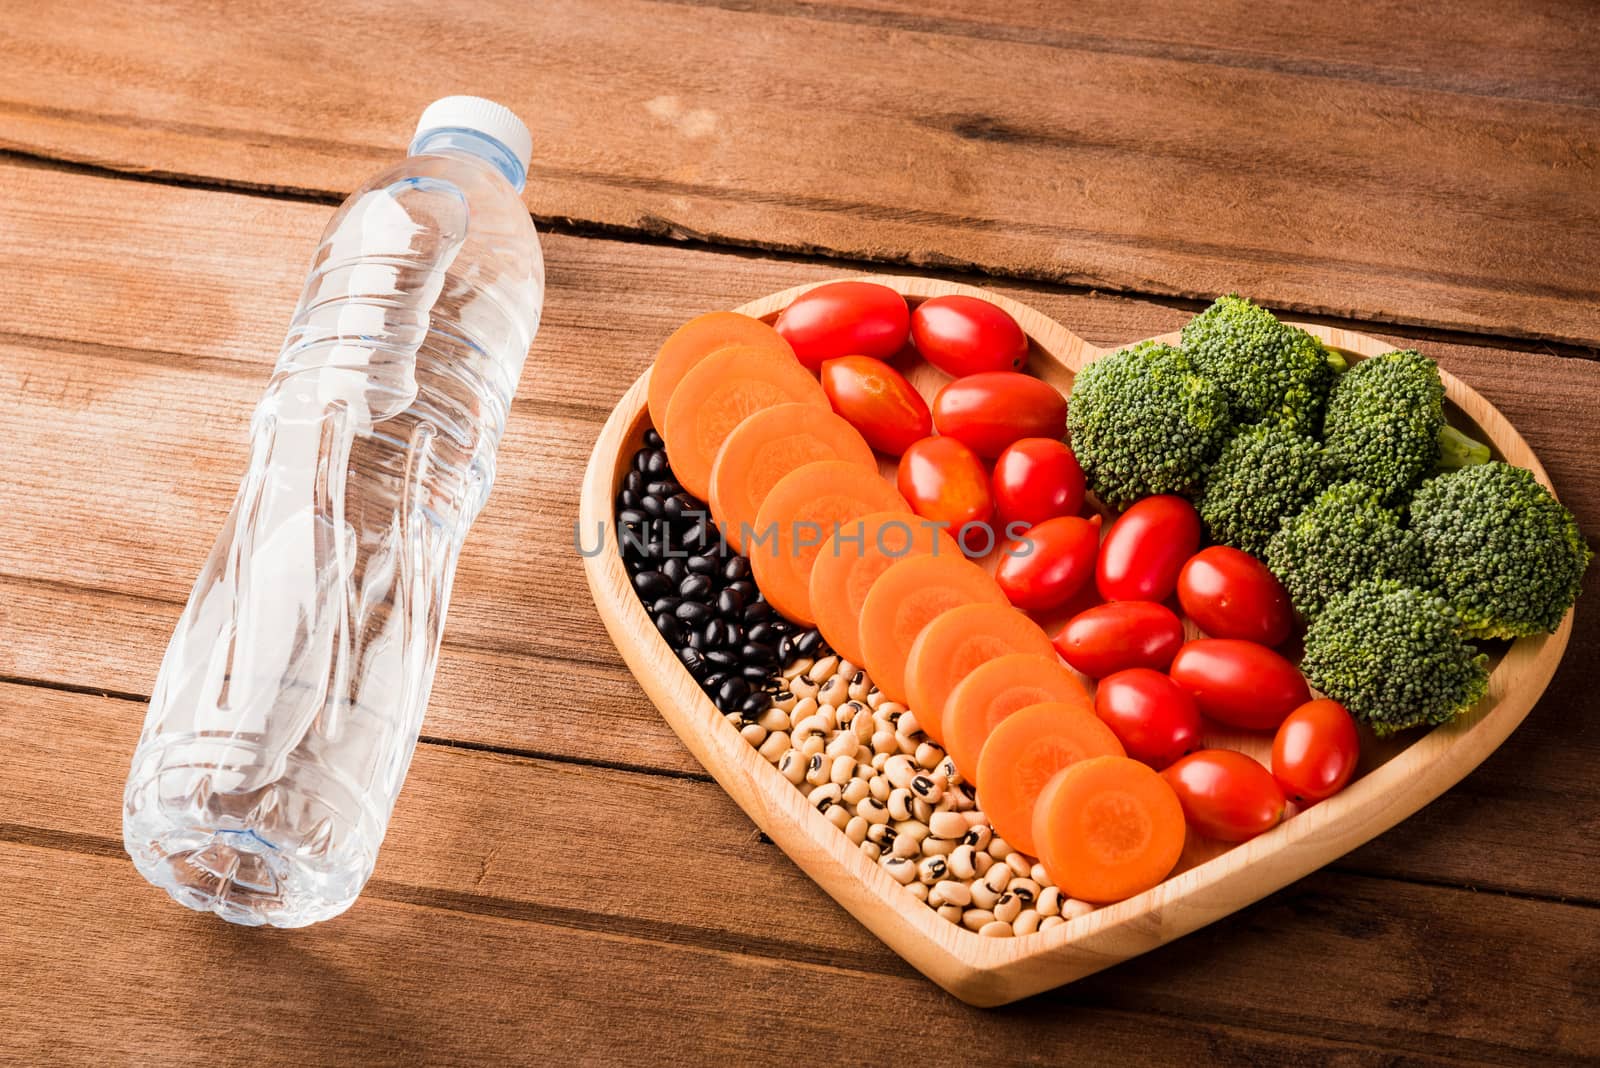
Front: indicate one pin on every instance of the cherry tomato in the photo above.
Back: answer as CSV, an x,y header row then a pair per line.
x,y
1226,795
962,335
1315,751
1047,566
1146,548
845,319
878,401
1231,594
1114,637
1240,683
945,481
1154,718
1037,479
989,411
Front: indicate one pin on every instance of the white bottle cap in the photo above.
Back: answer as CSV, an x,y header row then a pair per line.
x,y
484,116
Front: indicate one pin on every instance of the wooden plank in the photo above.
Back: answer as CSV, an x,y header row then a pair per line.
x,y
1434,170
509,861
401,983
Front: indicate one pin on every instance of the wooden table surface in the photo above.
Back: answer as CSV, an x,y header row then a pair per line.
x,y
562,883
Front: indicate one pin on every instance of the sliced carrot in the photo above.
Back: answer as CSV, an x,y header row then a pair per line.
x,y
1024,753
718,394
767,446
693,342
851,561
908,596
1108,828
992,691
954,644
805,508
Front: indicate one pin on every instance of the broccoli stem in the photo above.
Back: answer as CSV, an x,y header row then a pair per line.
x,y
1336,359
1457,450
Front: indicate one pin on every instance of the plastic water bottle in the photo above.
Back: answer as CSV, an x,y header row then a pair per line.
x,y
291,697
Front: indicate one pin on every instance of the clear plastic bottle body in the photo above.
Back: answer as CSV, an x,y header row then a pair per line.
x,y
290,700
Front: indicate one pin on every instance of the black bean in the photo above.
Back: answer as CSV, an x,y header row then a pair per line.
x,y
785,648
715,634
757,653
732,635
634,482
755,704
656,463
641,459
746,589
652,440
730,603
663,488
664,604
693,613
701,565
710,683
653,550
736,568
808,643
632,517
652,505
764,632
695,587
670,628
628,498
755,613
675,569
691,659
684,506
756,675
695,640
722,658
731,692
652,584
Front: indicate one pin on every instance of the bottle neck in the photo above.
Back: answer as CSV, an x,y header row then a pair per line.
x,y
454,140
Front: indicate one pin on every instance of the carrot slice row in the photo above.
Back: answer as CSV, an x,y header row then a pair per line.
x,y
719,393
803,509
697,339
1108,828
1024,753
994,690
908,596
851,560
766,447
955,643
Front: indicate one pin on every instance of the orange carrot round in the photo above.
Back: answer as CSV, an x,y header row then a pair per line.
x,y
1108,828
697,339
1024,753
803,509
994,690
767,446
955,643
907,597
851,561
719,393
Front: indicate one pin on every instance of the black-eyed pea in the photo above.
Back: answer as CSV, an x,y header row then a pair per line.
x,y
929,756
846,668
860,686
861,724
1025,888
872,850
952,913
900,771
838,815
817,768
883,743
926,788
996,929
856,830
879,761
948,767
875,698
1020,865
976,818
903,871
900,803
863,769
947,825
834,691
813,726
775,719
961,800
1007,907
941,847
843,744
907,847
823,669
1039,875
906,723
906,745
880,834
880,786
792,765
829,716
1026,923
855,791
805,692
825,796
961,863
920,809
997,878
1049,922
999,848
1072,908
918,891
916,830
951,892
735,718
873,810
982,896
811,746
974,919
798,668
932,869
982,862
1049,903
775,746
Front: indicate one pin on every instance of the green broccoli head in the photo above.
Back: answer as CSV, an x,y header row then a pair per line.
x,y
1384,420
1393,655
1143,421
1270,371
1264,474
1500,548
1341,538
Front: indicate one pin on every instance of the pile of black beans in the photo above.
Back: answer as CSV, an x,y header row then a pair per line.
x,y
699,592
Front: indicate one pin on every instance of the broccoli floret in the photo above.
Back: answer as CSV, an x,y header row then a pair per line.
x,y
1264,474
1270,371
1384,421
1501,549
1341,538
1143,421
1394,656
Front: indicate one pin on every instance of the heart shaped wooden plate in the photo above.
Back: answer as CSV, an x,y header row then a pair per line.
x,y
1395,778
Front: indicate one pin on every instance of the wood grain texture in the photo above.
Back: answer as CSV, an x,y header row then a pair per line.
x,y
1423,168
505,871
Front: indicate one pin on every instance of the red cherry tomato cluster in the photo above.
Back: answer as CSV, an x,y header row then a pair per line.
x,y
987,459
